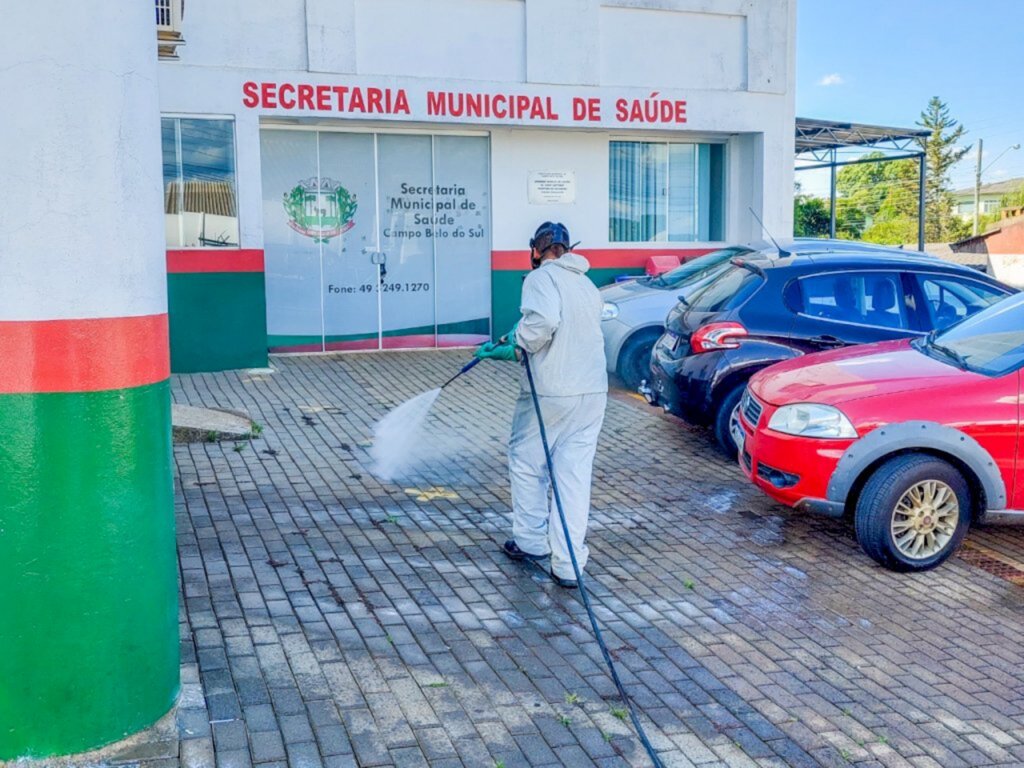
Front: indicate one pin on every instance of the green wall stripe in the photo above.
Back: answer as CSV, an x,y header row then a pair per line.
x,y
88,584
218,321
507,287
478,326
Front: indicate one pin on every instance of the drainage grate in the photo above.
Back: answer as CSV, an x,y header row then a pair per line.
x,y
992,562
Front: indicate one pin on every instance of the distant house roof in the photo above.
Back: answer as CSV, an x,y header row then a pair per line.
x,y
978,261
1005,234
213,197
995,188
947,252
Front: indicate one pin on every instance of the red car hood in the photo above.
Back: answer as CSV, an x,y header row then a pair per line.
x,y
841,375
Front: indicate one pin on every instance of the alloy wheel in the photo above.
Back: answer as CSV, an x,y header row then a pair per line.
x,y
925,519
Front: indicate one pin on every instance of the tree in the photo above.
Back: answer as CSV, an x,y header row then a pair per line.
x,y
867,187
941,154
810,216
897,231
877,201
1013,199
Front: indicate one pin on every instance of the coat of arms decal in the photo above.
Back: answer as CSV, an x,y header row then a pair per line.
x,y
320,208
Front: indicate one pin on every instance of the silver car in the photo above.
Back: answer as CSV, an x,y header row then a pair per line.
x,y
634,311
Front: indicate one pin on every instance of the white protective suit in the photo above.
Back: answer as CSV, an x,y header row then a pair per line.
x,y
560,329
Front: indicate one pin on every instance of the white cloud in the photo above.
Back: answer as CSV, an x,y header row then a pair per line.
x,y
834,79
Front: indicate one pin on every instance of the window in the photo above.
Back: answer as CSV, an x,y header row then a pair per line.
x,y
168,27
200,204
665,192
952,299
700,268
988,206
990,342
874,298
730,290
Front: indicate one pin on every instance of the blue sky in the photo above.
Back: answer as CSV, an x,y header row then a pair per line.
x,y
880,62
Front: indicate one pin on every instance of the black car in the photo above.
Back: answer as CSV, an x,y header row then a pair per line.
x,y
761,311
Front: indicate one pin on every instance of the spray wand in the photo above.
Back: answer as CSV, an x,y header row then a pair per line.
x,y
465,368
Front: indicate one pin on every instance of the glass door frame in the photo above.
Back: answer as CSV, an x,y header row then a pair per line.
x,y
429,130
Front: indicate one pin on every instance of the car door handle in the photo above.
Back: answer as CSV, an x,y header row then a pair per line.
x,y
826,341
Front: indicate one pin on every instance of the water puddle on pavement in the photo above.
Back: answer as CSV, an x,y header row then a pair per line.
x,y
512,619
721,502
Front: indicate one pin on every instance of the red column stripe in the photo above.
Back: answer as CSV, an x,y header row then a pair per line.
x,y
599,258
215,260
83,355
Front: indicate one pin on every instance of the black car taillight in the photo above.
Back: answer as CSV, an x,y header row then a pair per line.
x,y
717,336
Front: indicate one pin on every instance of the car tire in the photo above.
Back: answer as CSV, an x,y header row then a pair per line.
x,y
635,357
915,483
723,417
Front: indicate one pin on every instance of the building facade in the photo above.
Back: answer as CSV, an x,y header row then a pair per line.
x,y
990,197
366,174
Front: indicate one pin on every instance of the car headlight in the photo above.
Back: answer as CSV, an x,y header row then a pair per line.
x,y
609,311
812,420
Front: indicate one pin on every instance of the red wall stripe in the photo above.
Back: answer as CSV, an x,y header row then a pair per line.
x,y
215,260
599,258
83,355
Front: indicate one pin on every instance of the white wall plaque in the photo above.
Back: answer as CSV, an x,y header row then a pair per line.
x,y
549,187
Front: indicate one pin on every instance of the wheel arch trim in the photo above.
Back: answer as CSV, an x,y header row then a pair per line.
x,y
917,435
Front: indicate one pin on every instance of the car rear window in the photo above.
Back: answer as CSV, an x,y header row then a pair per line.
x,y
730,290
698,268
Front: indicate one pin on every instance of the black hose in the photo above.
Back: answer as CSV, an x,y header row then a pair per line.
x,y
579,575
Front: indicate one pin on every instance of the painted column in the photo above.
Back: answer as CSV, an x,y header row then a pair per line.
x,y
88,591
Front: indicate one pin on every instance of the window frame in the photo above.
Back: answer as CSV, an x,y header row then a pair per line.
x,y
668,141
178,117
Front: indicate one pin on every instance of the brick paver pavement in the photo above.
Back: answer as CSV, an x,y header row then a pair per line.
x,y
329,619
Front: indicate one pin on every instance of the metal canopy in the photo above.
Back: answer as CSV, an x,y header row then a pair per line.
x,y
819,142
816,138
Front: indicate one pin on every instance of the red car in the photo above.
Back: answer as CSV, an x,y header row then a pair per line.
x,y
916,439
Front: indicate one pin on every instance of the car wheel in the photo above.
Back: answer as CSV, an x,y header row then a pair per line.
x,y
913,512
728,409
635,358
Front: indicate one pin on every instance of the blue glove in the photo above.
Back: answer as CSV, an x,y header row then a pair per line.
x,y
496,350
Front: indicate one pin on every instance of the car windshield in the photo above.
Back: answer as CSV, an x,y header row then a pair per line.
x,y
698,268
990,342
731,288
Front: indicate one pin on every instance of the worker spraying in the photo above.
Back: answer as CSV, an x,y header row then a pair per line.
x,y
557,420
560,332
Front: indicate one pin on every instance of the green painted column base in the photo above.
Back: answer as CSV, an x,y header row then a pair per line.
x,y
218,321
88,575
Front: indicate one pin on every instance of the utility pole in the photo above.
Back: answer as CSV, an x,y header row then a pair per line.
x,y
977,190
977,180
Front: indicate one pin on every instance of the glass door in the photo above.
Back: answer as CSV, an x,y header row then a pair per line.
x,y
375,241
291,219
405,191
462,249
349,288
